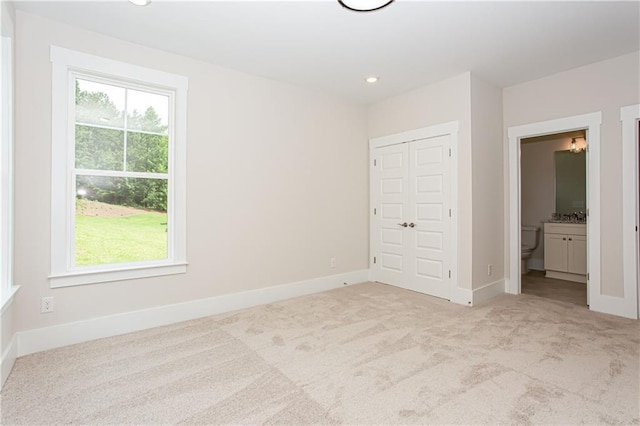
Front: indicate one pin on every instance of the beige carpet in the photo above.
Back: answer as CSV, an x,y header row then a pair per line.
x,y
364,354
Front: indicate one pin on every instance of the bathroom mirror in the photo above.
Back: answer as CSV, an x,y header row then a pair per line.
x,y
571,181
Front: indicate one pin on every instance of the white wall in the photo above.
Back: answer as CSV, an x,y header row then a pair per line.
x,y
448,100
604,86
477,105
488,178
7,326
277,182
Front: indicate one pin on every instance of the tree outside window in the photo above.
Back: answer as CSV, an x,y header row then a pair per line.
x,y
121,173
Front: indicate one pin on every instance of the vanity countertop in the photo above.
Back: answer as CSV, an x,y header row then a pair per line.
x,y
571,222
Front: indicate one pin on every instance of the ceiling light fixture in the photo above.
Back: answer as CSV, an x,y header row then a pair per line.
x,y
364,5
574,148
140,2
371,79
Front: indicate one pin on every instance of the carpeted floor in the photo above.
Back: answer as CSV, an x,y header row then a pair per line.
x,y
363,354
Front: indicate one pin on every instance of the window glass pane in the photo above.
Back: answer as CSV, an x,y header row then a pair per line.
x,y
99,104
147,111
98,148
120,220
147,153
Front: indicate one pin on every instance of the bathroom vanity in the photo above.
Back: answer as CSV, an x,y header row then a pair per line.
x,y
565,251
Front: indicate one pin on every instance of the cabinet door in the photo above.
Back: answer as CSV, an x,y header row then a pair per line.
x,y
555,252
577,254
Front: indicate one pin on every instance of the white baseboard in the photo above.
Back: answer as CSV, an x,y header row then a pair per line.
x,y
8,359
42,339
462,296
488,291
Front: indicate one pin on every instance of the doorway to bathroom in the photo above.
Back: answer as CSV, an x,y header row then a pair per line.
x,y
590,124
553,207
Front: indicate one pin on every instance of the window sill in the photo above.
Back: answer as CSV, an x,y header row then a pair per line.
x,y
126,273
8,298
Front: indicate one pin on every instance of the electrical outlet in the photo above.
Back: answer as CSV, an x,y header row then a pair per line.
x,y
332,262
46,305
489,269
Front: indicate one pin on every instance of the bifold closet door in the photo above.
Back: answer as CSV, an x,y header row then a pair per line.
x,y
410,225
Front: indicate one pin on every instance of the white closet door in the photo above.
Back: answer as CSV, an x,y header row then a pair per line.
x,y
390,178
411,224
429,203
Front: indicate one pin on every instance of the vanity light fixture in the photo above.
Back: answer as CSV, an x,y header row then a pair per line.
x,y
140,2
364,5
371,79
574,148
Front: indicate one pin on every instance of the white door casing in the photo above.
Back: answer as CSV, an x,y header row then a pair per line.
x,y
591,123
630,115
413,236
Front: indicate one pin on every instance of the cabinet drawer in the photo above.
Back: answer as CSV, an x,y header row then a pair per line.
x,y
565,228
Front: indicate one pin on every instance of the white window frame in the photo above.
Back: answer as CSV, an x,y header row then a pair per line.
x,y
67,64
7,289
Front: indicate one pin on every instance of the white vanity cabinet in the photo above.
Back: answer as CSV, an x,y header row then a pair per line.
x,y
565,251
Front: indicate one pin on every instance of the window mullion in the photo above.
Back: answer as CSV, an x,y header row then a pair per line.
x,y
126,127
98,126
117,173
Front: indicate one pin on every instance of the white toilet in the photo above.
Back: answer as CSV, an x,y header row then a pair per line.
x,y
529,242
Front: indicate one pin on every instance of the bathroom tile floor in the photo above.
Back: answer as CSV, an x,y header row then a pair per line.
x,y
536,284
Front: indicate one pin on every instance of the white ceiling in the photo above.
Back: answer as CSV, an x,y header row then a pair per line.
x,y
320,45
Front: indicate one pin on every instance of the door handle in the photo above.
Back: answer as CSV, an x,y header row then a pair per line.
x,y
412,225
403,224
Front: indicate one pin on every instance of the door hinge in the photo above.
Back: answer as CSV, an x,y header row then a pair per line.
x,y
375,211
587,276
375,163
449,212
374,259
449,152
449,273
587,212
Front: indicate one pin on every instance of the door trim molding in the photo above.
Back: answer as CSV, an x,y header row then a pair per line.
x,y
629,117
456,294
591,122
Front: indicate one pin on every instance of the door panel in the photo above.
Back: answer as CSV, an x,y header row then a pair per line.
x,y
429,201
391,262
389,196
411,185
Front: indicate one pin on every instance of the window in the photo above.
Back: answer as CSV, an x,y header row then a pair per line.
x,y
6,172
118,171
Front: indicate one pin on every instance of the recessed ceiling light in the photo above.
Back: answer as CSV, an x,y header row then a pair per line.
x,y
371,79
140,2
